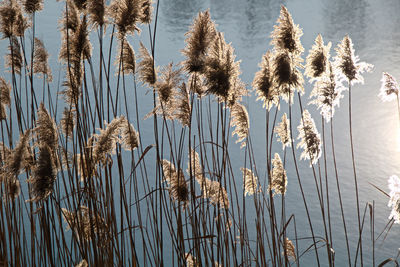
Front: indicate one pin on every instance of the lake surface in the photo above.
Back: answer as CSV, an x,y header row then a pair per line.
x,y
374,28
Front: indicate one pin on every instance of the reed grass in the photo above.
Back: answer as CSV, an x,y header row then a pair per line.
x,y
79,186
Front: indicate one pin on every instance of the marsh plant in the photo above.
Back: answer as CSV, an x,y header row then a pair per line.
x,y
79,186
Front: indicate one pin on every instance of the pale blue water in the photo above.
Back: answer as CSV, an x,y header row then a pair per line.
x,y
373,27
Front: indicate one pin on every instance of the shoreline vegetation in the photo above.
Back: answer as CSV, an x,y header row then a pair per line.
x,y
80,188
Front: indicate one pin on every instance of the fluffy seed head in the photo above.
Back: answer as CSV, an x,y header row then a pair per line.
x,y
282,130
317,59
129,136
394,201
147,72
40,60
240,120
348,63
126,14
290,249
9,12
250,182
215,192
126,57
96,10
46,129
5,97
14,57
389,89
327,93
20,156
286,35
177,186
32,6
198,41
83,263
278,176
310,140
68,122
147,10
44,175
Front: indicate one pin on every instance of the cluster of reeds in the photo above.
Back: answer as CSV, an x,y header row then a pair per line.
x,y
79,187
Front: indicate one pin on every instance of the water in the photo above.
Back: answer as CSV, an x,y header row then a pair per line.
x,y
373,27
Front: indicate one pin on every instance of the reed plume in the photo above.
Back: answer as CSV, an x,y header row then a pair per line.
x,y
46,129
96,10
106,140
14,58
129,136
310,139
126,14
287,75
67,121
80,4
177,186
9,12
44,175
148,74
32,6
240,120
85,166
5,153
215,192
327,93
221,71
199,39
40,60
394,201
196,81
263,83
83,263
191,261
317,59
278,176
21,25
290,249
71,20
348,63
20,156
389,89
84,222
197,170
147,11
282,130
250,182
5,97
126,57
183,106
286,35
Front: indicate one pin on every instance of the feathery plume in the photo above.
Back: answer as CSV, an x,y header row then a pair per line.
x,y
96,10
177,186
147,10
215,192
147,71
5,153
290,249
105,141
85,166
32,6
278,176
5,97
348,63
21,24
44,175
394,201
250,182
286,74
191,261
126,57
286,35
263,83
125,14
197,170
310,140
14,58
327,93
198,41
317,59
68,121
83,263
183,107
389,89
20,156
240,120
129,136
221,70
282,130
40,60
80,4
84,222
71,20
9,11
46,129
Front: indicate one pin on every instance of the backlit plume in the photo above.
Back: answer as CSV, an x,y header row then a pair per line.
x,y
250,182
389,89
282,130
278,176
310,140
317,59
